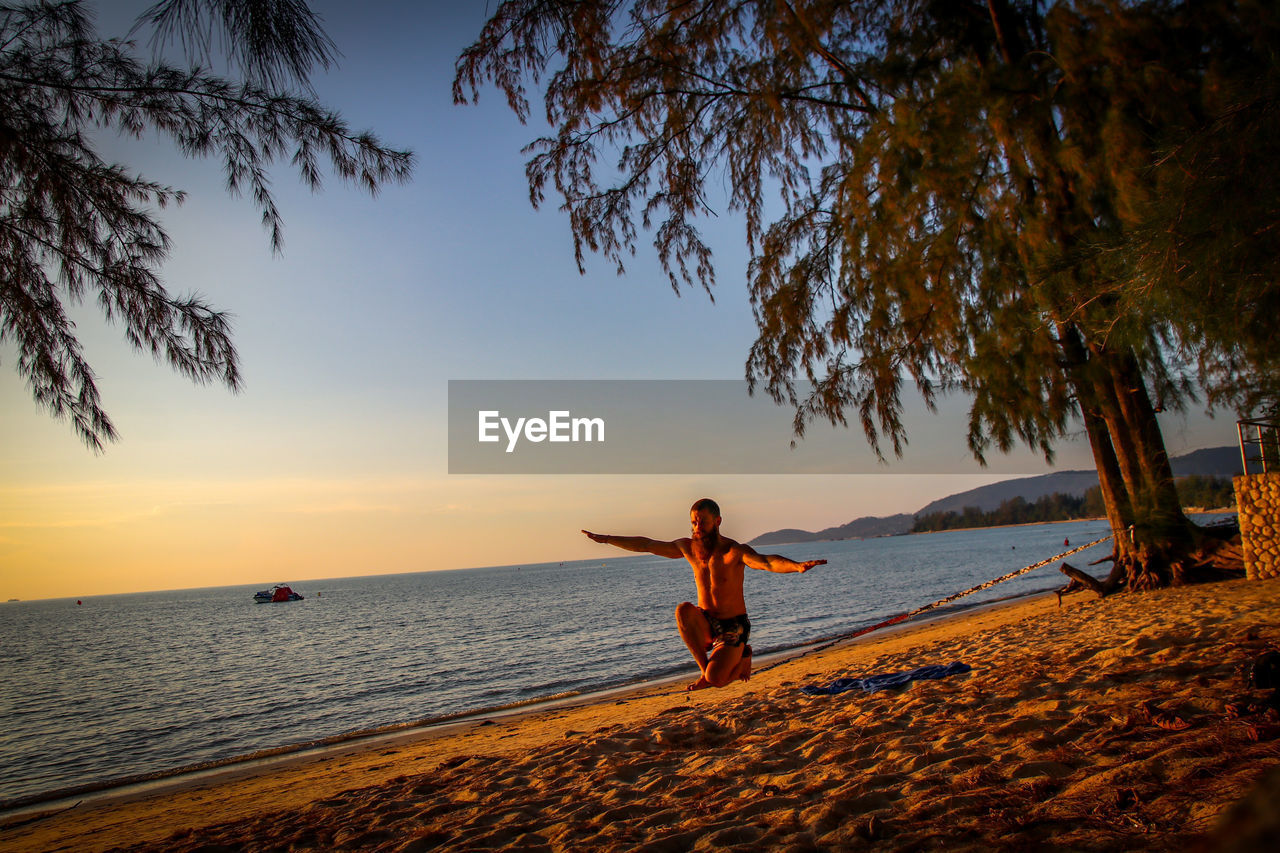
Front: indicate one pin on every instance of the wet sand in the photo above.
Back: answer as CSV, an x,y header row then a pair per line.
x,y
1118,724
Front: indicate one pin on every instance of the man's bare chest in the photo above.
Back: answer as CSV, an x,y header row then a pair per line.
x,y
715,572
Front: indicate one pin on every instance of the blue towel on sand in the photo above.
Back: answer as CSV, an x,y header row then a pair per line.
x,y
885,680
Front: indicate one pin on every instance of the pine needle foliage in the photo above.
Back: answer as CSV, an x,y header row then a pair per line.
x,y
939,191
272,42
1009,198
74,227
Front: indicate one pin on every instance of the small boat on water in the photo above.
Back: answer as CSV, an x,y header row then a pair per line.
x,y
279,592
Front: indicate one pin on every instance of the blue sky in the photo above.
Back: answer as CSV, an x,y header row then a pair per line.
x,y
333,459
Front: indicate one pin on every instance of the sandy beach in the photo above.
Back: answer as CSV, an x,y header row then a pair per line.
x,y
1117,724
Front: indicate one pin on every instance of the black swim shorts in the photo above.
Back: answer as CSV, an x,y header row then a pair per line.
x,y
733,631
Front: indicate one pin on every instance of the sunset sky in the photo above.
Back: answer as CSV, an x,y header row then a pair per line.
x,y
333,460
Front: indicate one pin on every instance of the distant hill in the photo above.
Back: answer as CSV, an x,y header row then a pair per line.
x,y
987,498
1211,462
857,529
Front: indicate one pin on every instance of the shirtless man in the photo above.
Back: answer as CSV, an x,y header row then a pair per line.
x,y
716,629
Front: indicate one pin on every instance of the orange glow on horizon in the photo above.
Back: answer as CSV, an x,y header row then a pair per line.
x,y
101,538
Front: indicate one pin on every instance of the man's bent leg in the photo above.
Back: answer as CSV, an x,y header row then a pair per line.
x,y
744,665
722,668
695,632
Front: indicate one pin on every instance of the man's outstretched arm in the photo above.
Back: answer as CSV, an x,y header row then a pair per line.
x,y
776,562
643,544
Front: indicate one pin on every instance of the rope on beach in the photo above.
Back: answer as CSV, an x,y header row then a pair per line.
x,y
902,617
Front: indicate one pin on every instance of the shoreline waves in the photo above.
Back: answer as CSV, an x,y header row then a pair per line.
x,y
51,801
1112,724
139,686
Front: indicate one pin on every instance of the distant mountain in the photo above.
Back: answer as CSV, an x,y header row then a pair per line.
x,y
987,498
1211,462
859,528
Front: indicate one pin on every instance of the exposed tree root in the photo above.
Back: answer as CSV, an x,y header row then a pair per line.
x,y
1213,554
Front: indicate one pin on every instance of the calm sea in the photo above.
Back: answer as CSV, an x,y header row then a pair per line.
x,y
124,685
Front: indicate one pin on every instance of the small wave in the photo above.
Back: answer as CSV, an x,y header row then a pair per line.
x,y
536,700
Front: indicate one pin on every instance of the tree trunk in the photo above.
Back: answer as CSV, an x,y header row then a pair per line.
x,y
1162,537
1153,459
1111,480
1122,441
1155,544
